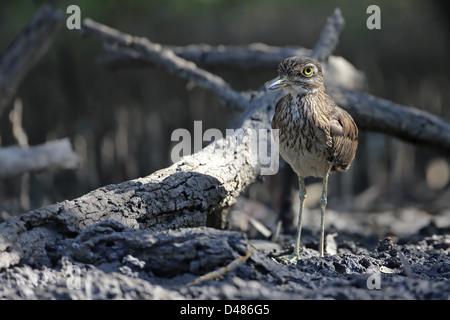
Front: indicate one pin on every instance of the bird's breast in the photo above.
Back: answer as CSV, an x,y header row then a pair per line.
x,y
305,157
303,142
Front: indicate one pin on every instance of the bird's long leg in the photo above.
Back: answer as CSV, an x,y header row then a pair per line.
x,y
323,205
302,194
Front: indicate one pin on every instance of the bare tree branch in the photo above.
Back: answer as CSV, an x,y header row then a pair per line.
x,y
329,37
166,58
251,56
257,55
26,50
407,123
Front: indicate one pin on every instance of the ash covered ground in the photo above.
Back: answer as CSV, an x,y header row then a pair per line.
x,y
109,261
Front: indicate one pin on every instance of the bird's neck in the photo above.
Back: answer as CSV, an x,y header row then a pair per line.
x,y
298,91
308,97
312,102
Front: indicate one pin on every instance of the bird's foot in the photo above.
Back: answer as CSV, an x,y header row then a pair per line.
x,y
291,258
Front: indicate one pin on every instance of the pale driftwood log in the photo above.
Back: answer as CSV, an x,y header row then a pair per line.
x,y
52,155
26,50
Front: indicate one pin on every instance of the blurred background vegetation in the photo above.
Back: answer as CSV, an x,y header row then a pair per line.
x,y
120,122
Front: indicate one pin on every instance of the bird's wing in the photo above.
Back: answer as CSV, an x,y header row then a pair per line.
x,y
344,134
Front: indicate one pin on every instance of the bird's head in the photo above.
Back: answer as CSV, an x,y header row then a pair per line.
x,y
299,76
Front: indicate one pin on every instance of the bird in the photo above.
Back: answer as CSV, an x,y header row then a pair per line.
x,y
314,135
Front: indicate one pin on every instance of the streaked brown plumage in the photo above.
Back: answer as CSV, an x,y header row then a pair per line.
x,y
315,135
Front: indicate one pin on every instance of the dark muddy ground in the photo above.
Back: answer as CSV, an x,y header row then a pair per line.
x,y
109,261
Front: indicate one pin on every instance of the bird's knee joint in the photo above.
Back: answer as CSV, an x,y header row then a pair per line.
x,y
323,201
302,195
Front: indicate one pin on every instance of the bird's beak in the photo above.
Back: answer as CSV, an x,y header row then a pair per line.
x,y
279,82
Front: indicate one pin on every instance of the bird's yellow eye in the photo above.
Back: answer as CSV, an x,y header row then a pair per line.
x,y
307,71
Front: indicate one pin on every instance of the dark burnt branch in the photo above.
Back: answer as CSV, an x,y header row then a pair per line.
x,y
119,51
165,58
407,123
252,56
249,57
26,50
246,57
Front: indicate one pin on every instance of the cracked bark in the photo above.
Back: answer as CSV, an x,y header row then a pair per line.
x,y
182,195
